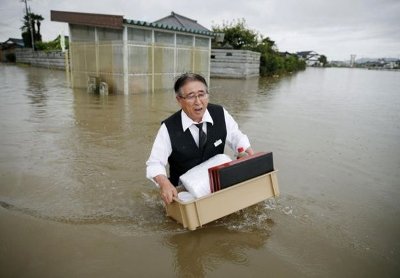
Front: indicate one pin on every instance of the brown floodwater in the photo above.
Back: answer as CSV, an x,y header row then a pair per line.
x,y
74,200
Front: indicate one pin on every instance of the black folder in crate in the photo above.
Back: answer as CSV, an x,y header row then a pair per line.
x,y
237,171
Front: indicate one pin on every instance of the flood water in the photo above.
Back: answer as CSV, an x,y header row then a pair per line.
x,y
74,200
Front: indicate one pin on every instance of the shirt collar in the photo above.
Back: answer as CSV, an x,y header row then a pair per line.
x,y
187,122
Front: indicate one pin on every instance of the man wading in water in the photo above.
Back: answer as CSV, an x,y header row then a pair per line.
x,y
192,135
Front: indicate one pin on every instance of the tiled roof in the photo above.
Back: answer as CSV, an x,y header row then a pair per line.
x,y
177,20
174,22
305,53
11,41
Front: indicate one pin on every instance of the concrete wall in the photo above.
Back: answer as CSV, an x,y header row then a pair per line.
x,y
231,63
52,59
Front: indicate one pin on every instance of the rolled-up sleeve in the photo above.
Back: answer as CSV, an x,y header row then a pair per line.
x,y
235,138
161,150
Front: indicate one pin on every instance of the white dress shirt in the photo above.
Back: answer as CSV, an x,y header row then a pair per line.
x,y
162,149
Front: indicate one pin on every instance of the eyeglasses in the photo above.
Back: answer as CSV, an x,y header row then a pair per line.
x,y
192,97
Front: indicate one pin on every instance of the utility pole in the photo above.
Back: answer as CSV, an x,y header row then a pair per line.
x,y
30,24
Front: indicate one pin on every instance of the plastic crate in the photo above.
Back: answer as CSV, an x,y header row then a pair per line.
x,y
203,210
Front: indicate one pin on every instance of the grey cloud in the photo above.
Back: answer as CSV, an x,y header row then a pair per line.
x,y
335,28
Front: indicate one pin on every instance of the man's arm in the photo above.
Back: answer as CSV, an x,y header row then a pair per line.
x,y
234,137
157,162
167,189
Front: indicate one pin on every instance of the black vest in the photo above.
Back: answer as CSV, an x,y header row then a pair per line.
x,y
185,153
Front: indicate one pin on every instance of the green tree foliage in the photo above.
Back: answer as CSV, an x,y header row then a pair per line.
x,y
52,45
323,60
237,34
272,62
31,23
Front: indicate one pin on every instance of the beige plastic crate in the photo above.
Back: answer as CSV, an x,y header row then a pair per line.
x,y
203,210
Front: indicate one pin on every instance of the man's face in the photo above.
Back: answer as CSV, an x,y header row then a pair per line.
x,y
193,100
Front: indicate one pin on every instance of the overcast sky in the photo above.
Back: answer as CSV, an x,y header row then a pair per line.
x,y
335,28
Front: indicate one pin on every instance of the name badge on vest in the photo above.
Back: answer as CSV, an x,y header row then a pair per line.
x,y
218,142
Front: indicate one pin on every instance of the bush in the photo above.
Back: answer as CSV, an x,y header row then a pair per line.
x,y
271,61
237,34
51,45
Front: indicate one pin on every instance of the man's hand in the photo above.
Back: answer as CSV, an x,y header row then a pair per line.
x,y
250,151
167,189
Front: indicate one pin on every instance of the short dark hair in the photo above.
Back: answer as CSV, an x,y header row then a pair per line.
x,y
186,77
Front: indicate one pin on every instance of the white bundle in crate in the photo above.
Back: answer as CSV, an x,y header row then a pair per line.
x,y
196,180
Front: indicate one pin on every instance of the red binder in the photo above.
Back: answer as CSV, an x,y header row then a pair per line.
x,y
236,171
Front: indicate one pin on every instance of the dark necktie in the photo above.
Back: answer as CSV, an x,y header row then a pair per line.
x,y
202,136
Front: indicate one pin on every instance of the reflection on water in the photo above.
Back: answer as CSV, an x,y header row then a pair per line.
x,y
79,158
200,252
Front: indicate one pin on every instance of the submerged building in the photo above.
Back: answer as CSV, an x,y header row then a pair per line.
x,y
8,49
133,56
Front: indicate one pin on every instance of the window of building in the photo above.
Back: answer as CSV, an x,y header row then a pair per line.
x,y
105,34
202,42
184,40
82,33
164,37
139,35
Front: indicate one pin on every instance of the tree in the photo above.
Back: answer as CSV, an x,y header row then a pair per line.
x,y
323,60
52,45
237,34
271,61
37,18
26,31
29,22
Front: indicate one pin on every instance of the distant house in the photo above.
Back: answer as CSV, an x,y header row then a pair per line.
x,y
134,56
310,57
7,49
